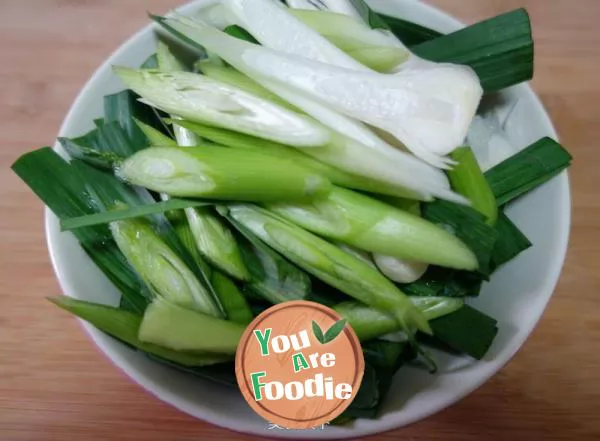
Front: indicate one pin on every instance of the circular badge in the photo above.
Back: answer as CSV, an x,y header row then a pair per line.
x,y
299,365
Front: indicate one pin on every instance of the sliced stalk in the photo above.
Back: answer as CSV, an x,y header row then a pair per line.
x,y
181,329
160,267
199,98
371,225
125,325
427,106
221,173
359,254
216,242
235,304
355,38
468,179
274,27
156,138
330,264
369,323
212,237
297,156
363,152
166,60
228,75
400,270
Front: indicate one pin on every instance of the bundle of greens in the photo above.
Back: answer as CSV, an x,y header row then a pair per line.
x,y
269,171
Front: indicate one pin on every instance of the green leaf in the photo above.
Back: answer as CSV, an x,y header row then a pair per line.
x,y
368,15
529,168
272,277
467,330
468,225
468,180
124,108
150,63
444,282
317,332
161,21
408,32
129,213
241,33
235,305
124,326
499,49
102,147
155,137
335,330
511,242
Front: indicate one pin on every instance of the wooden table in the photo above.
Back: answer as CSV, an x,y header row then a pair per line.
x,y
54,385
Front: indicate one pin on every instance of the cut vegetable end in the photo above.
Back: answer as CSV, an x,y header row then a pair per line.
x,y
208,173
188,329
124,326
467,179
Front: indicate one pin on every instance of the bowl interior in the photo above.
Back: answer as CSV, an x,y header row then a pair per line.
x,y
516,296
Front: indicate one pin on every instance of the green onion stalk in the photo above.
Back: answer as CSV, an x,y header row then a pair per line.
x,y
125,326
467,178
330,264
213,238
369,323
160,267
374,226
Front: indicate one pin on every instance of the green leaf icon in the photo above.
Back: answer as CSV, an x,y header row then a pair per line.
x,y
317,332
335,330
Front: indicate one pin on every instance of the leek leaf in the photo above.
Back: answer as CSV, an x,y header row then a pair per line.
x,y
511,242
129,213
468,225
124,326
235,305
408,32
531,167
272,277
444,282
240,32
467,330
499,49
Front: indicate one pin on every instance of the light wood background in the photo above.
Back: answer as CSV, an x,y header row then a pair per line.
x,y
54,385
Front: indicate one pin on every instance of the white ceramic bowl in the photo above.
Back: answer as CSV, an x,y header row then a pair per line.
x,y
516,296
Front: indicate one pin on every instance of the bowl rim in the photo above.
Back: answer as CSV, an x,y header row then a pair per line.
x,y
163,393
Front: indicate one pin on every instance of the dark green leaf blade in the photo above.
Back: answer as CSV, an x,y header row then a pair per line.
x,y
125,109
124,326
272,277
468,225
368,15
444,282
499,49
336,329
241,33
467,330
150,63
317,332
511,242
106,217
529,168
408,32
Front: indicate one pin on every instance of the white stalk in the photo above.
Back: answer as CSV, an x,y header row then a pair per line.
x,y
427,106
408,170
400,270
199,98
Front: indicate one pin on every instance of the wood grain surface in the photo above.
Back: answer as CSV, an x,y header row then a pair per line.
x,y
54,385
